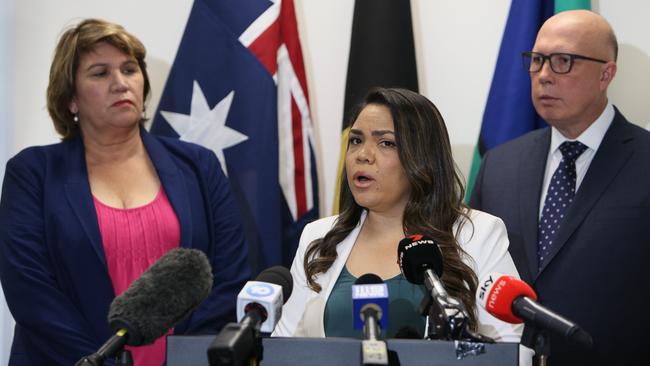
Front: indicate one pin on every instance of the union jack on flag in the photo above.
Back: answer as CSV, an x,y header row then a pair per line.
x,y
238,87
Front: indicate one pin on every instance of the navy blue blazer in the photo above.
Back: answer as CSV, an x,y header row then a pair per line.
x,y
52,262
597,274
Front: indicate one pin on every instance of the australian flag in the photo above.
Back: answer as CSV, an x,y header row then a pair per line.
x,y
238,87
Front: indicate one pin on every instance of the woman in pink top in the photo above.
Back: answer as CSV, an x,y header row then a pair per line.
x,y
82,219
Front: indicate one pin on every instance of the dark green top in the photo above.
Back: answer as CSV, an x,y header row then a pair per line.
x,y
403,302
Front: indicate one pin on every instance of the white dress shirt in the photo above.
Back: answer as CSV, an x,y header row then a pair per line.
x,y
591,137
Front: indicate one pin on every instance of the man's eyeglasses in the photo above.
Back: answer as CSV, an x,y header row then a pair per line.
x,y
561,63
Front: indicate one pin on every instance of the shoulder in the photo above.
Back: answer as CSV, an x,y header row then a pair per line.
x,y
630,129
521,144
28,176
482,235
37,157
317,229
483,220
181,148
172,153
624,136
41,151
477,221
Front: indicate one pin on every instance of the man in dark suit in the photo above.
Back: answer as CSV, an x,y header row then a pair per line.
x,y
575,197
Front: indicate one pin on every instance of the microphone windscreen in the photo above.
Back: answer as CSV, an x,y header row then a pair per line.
x,y
497,292
280,276
408,332
367,279
417,253
162,296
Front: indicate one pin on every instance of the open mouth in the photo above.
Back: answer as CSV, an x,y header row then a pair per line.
x,y
362,180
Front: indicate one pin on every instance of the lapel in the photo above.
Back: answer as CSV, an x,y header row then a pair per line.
x,y
531,175
173,183
343,250
610,158
77,191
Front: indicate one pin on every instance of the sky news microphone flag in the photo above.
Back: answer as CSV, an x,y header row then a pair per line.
x,y
509,111
238,87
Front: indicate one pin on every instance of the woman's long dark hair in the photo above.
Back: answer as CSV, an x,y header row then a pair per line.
x,y
436,200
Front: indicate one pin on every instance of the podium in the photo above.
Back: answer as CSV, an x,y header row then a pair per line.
x,y
192,351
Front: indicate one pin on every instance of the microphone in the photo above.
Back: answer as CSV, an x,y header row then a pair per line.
x,y
162,296
420,261
370,301
263,298
407,332
259,308
514,301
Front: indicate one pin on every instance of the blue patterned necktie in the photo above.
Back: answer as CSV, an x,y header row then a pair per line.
x,y
558,198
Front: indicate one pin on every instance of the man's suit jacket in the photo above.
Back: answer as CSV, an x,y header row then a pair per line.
x,y
52,262
598,268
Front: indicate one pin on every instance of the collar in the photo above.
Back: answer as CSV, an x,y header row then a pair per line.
x,y
592,136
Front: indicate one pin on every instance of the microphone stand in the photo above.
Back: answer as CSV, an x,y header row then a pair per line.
x,y
374,352
258,350
124,358
238,344
537,339
114,346
447,317
436,320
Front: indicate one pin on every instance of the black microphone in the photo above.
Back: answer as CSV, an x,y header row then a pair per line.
x,y
162,296
407,332
259,308
420,261
370,301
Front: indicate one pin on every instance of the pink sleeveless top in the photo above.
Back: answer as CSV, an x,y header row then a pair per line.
x,y
133,239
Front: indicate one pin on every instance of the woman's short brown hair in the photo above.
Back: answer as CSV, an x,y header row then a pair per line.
x,y
73,43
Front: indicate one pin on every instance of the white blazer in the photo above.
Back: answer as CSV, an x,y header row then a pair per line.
x,y
486,243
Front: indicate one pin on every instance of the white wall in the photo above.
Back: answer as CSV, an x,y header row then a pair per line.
x,y
6,141
630,90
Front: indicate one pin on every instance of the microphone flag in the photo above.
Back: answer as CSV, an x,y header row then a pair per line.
x,y
268,295
371,293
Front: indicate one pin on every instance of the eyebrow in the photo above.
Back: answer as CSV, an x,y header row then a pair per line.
x,y
105,64
373,133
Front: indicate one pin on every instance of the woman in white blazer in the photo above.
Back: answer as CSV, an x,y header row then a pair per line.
x,y
400,180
